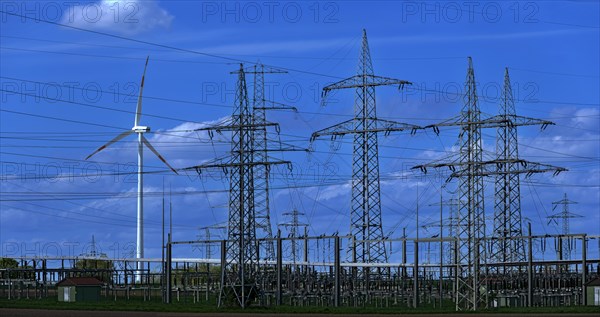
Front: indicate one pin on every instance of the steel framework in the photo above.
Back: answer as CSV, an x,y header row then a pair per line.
x,y
564,215
293,226
261,171
471,212
239,271
507,197
365,214
469,169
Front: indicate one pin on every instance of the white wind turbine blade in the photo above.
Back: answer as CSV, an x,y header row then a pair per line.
x,y
157,154
138,111
116,139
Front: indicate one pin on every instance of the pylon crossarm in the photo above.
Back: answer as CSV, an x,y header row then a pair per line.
x,y
362,80
365,80
567,214
259,68
492,122
350,127
449,161
455,121
339,129
389,126
227,163
514,121
234,127
275,106
284,146
207,166
490,168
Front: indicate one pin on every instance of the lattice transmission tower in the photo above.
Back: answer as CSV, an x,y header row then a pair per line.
x,y
293,226
507,196
469,168
206,234
260,105
564,215
448,225
240,272
365,213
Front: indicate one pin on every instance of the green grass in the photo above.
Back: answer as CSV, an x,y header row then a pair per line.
x,y
208,307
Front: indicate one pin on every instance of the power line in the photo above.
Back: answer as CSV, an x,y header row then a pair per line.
x,y
553,73
236,60
61,119
243,55
226,106
107,56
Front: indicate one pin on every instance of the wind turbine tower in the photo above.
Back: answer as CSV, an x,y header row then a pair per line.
x,y
139,130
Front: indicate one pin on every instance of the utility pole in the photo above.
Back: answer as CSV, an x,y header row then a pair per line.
x,y
416,257
365,214
163,247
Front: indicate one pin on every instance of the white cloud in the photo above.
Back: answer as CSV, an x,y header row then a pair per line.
x,y
123,16
437,38
586,118
183,147
186,130
335,191
276,46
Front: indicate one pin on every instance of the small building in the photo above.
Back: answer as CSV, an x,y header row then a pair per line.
x,y
593,292
78,289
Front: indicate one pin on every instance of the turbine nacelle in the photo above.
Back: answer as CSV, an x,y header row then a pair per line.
x,y
140,129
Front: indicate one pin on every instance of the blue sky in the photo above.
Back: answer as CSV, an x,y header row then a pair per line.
x,y
65,92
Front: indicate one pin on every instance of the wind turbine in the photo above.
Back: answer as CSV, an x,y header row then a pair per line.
x,y
140,130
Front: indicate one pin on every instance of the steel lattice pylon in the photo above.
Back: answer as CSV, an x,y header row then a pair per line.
x,y
365,214
261,148
471,213
241,250
564,215
507,197
240,270
293,227
470,169
261,172
207,236
448,225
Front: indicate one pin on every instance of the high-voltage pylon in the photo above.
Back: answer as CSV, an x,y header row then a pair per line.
x,y
293,226
448,225
469,168
262,212
239,274
207,236
507,196
471,212
564,215
365,214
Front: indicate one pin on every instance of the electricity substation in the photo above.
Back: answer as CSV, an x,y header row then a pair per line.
x,y
484,254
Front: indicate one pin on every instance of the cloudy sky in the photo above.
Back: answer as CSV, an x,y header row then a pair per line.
x,y
69,83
